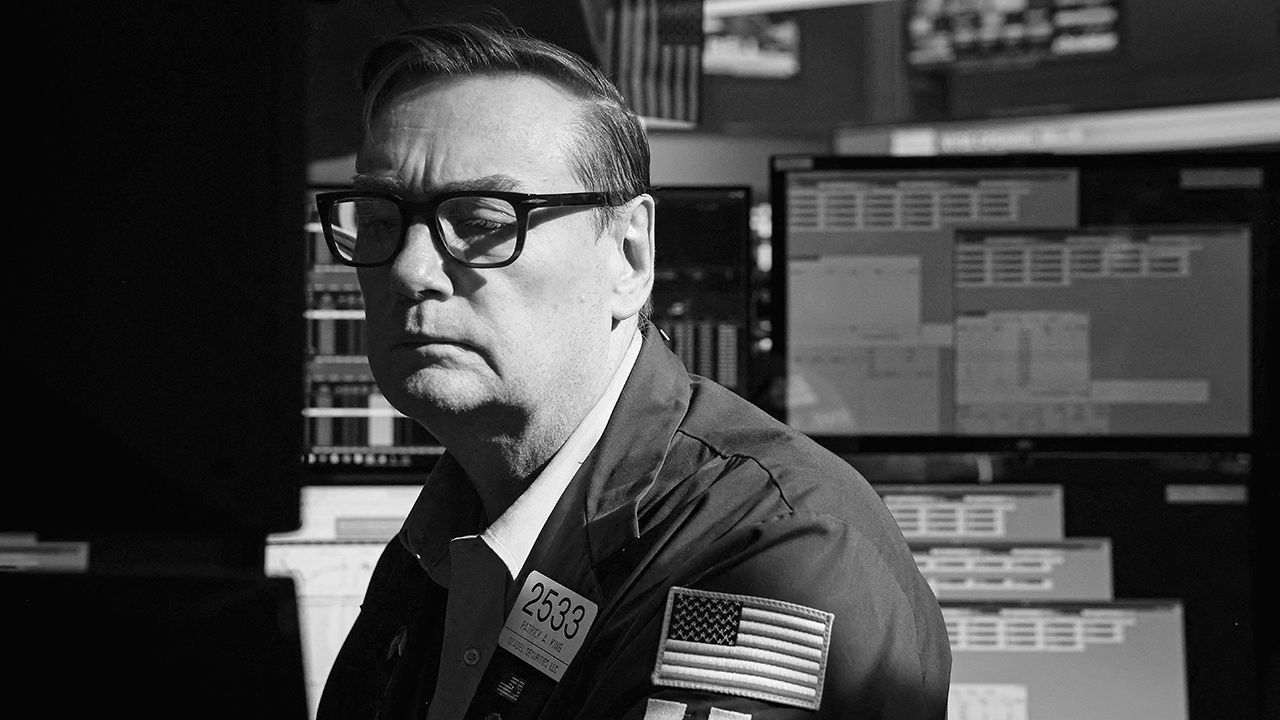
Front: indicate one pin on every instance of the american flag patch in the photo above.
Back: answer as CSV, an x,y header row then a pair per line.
x,y
745,646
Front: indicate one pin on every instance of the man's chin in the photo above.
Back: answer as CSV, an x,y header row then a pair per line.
x,y
426,398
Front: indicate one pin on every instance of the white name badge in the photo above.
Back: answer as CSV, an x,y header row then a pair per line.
x,y
547,625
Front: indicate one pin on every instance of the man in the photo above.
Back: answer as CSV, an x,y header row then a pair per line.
x,y
607,536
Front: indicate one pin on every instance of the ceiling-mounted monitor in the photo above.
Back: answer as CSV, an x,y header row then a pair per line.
x,y
972,59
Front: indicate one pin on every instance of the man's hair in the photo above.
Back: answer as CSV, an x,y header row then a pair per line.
x,y
611,154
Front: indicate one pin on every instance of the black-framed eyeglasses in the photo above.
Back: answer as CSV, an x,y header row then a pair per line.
x,y
478,228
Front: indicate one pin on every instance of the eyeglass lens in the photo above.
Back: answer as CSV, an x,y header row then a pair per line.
x,y
473,229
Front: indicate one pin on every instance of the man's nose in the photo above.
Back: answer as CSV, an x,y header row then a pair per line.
x,y
420,269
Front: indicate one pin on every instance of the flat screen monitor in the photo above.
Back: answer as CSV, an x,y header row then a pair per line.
x,y
1112,660
703,266
1072,569
967,59
938,512
1009,302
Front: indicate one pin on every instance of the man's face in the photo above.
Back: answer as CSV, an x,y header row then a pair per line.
x,y
447,339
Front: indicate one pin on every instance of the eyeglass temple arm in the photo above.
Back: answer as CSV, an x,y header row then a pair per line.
x,y
584,198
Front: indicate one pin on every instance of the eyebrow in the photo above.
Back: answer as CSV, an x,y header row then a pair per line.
x,y
488,182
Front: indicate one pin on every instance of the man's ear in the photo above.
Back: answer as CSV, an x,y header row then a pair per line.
x,y
633,281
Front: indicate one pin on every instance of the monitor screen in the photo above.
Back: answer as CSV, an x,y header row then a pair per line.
x,y
1072,569
1054,661
1021,302
703,264
975,34
938,512
969,59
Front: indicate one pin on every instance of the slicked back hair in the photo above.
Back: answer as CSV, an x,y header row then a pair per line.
x,y
612,152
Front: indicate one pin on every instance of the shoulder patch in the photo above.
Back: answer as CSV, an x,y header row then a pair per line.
x,y
745,646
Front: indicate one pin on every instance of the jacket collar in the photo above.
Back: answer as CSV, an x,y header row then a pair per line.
x,y
622,470
447,507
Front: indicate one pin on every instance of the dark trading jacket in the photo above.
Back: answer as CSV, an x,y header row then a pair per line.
x,y
689,486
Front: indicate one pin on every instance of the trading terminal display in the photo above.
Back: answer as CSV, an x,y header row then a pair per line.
x,y
702,286
1007,297
1127,331
1013,33
1073,569
937,512
1115,660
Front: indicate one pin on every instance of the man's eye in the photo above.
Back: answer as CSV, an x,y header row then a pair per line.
x,y
476,217
478,226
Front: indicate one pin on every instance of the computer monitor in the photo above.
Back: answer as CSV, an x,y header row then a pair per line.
x,y
702,287
1072,569
958,512
1113,660
1009,302
976,59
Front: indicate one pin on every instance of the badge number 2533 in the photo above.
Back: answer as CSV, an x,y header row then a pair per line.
x,y
547,625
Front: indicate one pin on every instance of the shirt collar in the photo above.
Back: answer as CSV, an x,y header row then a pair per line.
x,y
448,506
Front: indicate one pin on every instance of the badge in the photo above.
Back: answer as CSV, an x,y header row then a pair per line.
x,y
547,625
